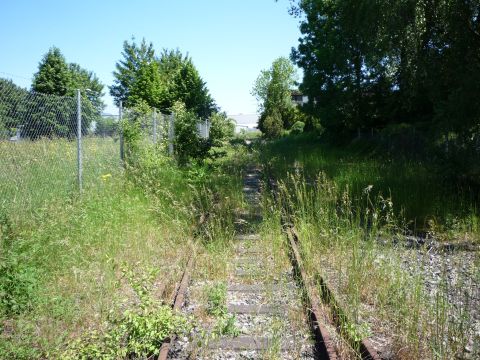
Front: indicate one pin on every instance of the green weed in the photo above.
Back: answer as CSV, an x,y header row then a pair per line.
x,y
225,325
139,332
217,299
339,241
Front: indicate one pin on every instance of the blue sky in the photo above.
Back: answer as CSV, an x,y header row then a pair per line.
x,y
230,41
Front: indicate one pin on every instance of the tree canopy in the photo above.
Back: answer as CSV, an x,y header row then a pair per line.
x,y
273,91
56,77
88,82
53,76
373,64
160,82
127,70
49,108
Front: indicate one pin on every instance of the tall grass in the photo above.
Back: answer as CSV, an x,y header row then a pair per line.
x,y
347,204
63,255
378,294
35,173
422,195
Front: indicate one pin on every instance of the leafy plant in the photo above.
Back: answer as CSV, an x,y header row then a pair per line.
x,y
138,332
18,283
217,300
226,326
356,332
17,278
217,307
297,128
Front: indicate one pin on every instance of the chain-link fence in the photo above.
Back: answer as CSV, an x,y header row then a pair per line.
x,y
50,146
53,146
154,127
159,128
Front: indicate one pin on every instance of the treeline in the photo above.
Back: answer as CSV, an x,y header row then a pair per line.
x,y
168,82
392,66
33,115
49,108
171,83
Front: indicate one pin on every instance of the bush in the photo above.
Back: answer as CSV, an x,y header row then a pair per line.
x,y
18,279
271,124
106,126
297,128
188,145
138,332
222,129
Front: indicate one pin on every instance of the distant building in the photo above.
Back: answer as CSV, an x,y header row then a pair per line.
x,y
245,122
298,98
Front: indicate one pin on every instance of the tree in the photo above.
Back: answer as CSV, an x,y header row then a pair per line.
x,y
13,109
88,82
127,70
371,64
184,84
160,82
222,128
271,123
273,91
148,86
53,76
52,106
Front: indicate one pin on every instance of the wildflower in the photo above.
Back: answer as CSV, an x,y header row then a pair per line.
x,y
106,177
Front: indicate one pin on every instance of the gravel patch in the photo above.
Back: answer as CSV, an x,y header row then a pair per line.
x,y
456,274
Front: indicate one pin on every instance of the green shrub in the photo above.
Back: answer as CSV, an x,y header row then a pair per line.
x,y
217,300
297,128
17,278
137,333
271,124
18,283
222,129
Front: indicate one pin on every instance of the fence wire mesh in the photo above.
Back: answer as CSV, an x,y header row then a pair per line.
x,y
152,123
38,148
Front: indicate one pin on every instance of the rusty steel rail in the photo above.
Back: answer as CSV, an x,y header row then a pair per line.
x,y
325,344
367,352
313,300
177,304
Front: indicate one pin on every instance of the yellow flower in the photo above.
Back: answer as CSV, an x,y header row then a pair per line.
x,y
106,177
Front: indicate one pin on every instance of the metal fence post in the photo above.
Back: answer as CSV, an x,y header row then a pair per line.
x,y
154,126
79,140
120,114
171,134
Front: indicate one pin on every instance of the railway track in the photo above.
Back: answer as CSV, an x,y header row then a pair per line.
x,y
278,311
262,295
332,309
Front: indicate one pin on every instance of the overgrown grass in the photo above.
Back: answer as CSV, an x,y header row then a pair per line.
x,y
63,255
36,173
339,224
63,273
421,194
